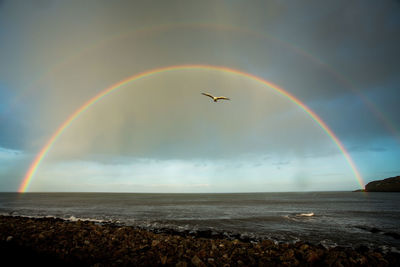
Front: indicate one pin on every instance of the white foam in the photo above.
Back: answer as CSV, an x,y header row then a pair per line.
x,y
327,243
75,219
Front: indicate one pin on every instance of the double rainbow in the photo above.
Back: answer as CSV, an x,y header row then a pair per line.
x,y
46,148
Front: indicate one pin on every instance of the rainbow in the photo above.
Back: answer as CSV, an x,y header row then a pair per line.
x,y
46,148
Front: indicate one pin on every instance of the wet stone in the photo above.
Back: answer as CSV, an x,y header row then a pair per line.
x,y
181,264
197,262
84,243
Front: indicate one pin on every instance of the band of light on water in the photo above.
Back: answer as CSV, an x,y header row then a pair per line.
x,y
46,148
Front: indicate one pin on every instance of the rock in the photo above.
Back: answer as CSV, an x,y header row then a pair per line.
x,y
386,185
164,260
362,249
362,260
197,262
289,253
86,244
312,257
204,233
304,247
181,264
202,254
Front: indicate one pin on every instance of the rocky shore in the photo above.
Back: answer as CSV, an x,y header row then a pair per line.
x,y
56,242
391,184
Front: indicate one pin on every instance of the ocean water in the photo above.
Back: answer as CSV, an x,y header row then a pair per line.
x,y
327,218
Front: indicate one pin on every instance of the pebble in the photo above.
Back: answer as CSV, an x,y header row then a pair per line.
x,y
89,244
197,262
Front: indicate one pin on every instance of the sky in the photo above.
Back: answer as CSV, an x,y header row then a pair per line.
x,y
340,59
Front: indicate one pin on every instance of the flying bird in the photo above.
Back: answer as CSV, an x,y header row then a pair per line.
x,y
216,98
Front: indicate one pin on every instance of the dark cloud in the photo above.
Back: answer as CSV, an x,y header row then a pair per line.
x,y
357,40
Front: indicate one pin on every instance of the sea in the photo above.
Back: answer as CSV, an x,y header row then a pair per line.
x,y
348,219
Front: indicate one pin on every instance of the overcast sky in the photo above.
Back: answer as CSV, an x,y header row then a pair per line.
x,y
159,134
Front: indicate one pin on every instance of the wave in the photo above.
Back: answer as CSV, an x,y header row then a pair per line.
x,y
75,219
306,214
298,217
375,230
70,218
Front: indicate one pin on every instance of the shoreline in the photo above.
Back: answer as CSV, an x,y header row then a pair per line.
x,y
53,241
224,234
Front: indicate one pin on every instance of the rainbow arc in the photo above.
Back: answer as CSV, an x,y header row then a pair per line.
x,y
49,144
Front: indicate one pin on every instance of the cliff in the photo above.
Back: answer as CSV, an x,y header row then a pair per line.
x,y
387,185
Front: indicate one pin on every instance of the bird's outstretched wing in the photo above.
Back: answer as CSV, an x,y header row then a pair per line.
x,y
208,95
222,97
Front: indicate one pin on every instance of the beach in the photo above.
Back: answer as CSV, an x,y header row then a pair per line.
x,y
52,241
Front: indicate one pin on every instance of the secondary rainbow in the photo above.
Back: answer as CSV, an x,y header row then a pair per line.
x,y
46,148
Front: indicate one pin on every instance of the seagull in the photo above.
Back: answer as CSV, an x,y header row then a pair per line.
x,y
216,98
